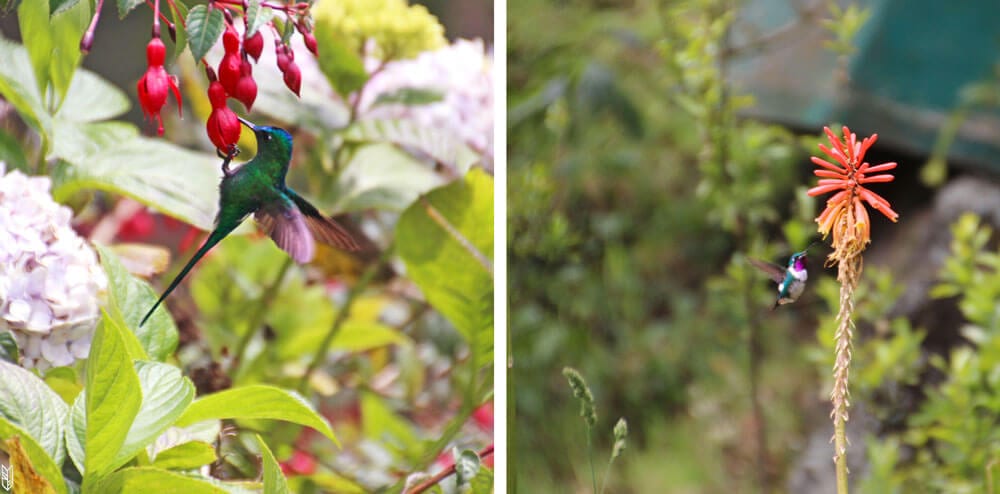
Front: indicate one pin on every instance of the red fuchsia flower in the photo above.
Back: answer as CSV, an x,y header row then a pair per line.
x,y
293,77
311,42
254,45
845,213
282,55
231,66
300,463
155,83
246,88
223,126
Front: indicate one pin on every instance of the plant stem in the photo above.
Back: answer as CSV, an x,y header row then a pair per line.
x,y
263,303
342,316
848,273
590,454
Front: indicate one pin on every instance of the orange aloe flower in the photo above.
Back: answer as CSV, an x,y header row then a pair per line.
x,y
845,212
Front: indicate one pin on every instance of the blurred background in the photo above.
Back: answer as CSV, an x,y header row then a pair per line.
x,y
665,142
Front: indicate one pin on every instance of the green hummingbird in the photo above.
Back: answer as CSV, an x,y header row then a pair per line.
x,y
258,187
791,280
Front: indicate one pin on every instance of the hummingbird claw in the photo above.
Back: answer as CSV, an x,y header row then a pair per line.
x,y
227,158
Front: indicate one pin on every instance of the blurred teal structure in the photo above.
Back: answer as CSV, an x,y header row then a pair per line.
x,y
917,63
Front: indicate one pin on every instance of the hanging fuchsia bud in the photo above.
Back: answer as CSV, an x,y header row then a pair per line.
x,y
172,30
311,43
156,83
293,77
246,89
223,127
231,40
254,45
281,54
230,71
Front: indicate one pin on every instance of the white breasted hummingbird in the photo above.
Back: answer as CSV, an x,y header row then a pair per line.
x,y
791,280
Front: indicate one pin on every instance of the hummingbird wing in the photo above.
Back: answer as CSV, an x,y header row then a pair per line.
x,y
323,228
777,273
285,225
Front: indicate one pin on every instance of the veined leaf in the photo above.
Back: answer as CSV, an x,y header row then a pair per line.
x,y
59,6
29,404
257,402
257,16
274,480
446,241
142,479
165,395
112,397
34,470
381,176
128,300
441,146
126,6
186,456
173,180
90,98
19,86
204,26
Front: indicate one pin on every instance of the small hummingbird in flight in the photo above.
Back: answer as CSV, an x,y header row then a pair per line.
x,y
791,280
258,187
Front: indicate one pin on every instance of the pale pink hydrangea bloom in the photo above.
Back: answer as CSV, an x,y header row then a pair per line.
x,y
50,279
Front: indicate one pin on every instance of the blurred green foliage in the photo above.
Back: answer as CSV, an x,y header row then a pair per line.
x,y
635,193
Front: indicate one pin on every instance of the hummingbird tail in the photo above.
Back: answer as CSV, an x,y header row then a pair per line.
x,y
213,238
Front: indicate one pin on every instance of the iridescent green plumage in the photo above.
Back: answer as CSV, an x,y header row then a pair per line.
x,y
258,187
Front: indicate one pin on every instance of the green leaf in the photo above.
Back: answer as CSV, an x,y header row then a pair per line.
x,y
185,456
143,479
128,300
483,482
19,86
66,30
12,152
441,146
447,265
90,98
467,465
341,66
410,96
33,19
112,398
8,348
257,402
178,17
40,458
361,336
274,480
173,180
381,424
204,26
59,6
381,176
257,16
126,6
28,403
165,395
74,141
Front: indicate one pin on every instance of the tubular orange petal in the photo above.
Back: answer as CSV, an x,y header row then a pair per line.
x,y
828,173
876,178
826,164
880,168
823,189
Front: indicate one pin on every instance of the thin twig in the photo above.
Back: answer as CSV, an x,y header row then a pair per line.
x,y
431,482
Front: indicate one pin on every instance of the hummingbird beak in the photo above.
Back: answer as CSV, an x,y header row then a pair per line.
x,y
246,122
